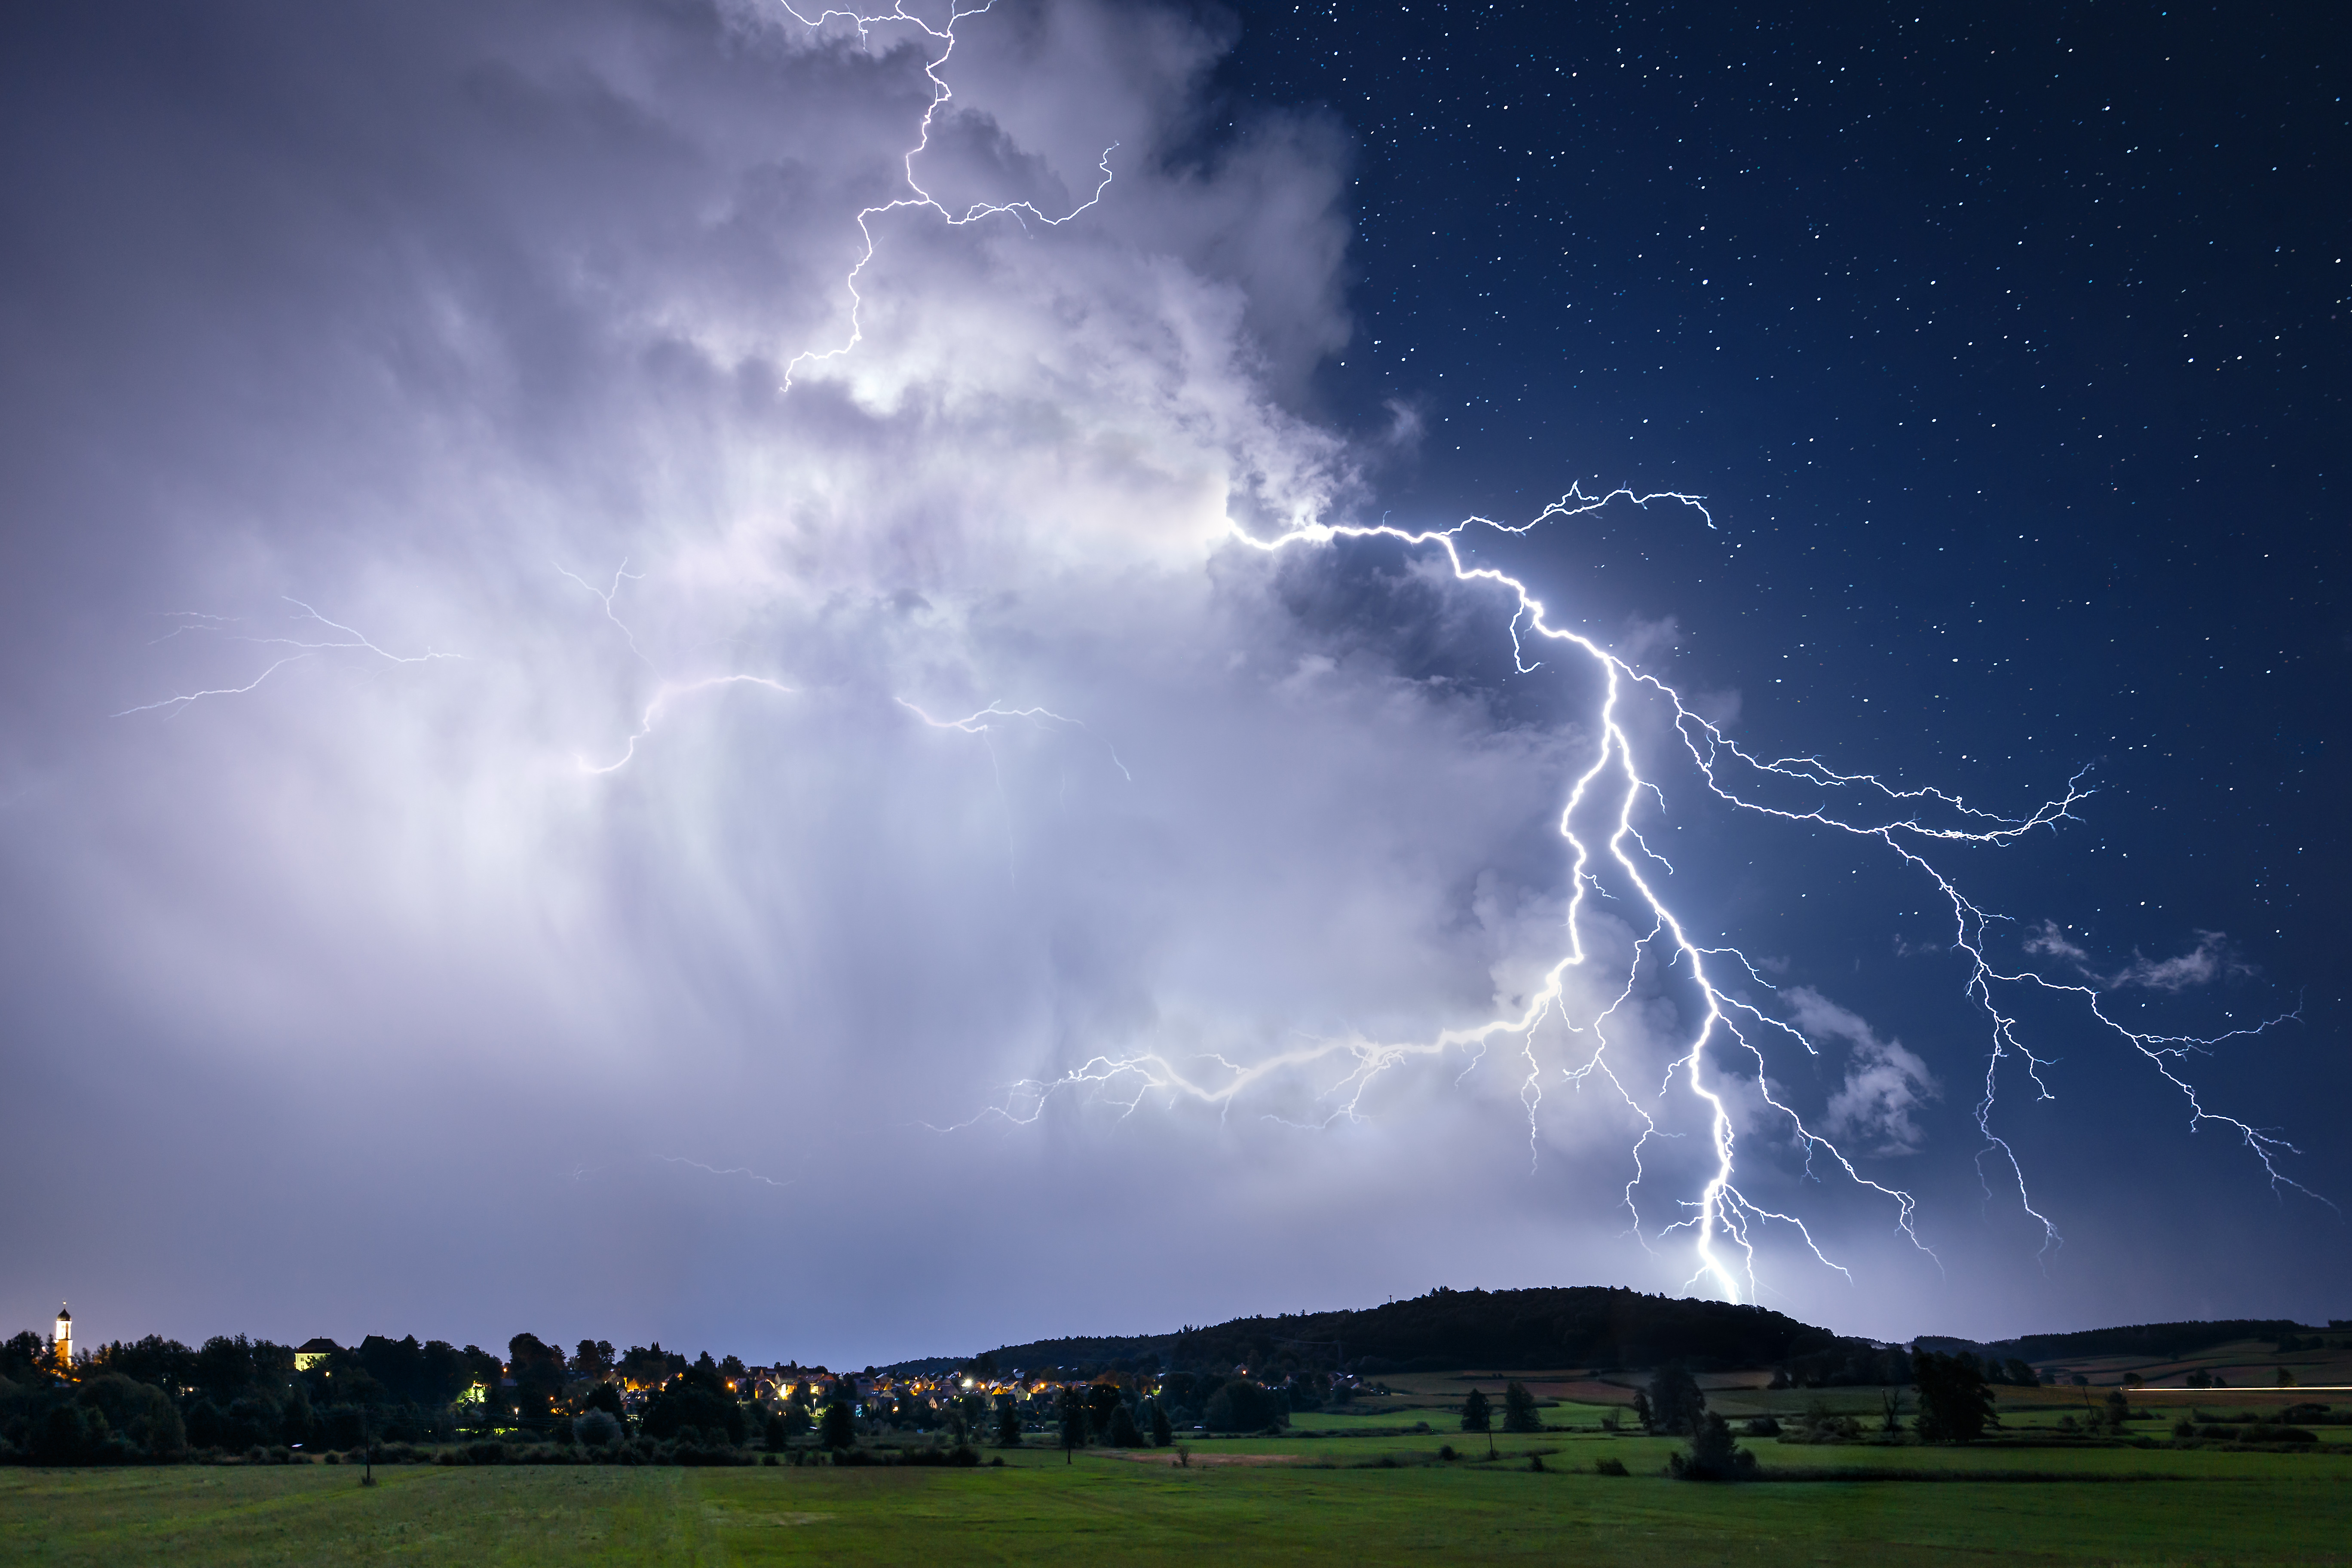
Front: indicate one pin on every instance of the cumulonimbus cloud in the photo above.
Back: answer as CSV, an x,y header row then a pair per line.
x,y
517,657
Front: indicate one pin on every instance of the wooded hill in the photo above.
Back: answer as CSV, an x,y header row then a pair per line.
x,y
2153,1342
1579,1327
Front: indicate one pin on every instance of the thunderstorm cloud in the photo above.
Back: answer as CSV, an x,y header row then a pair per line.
x,y
558,777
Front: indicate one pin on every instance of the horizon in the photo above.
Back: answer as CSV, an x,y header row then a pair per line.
x,y
758,1360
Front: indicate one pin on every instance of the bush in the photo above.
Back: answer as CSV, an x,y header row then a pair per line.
x,y
1609,1468
1763,1427
597,1429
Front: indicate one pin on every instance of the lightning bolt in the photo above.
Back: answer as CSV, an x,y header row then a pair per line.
x,y
668,689
1908,822
744,1171
196,621
1022,212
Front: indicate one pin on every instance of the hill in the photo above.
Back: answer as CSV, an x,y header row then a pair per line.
x,y
1575,1326
2155,1342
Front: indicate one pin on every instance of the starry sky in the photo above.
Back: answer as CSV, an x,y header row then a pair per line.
x,y
552,778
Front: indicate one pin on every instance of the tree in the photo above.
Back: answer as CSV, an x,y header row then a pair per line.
x,y
1676,1405
166,1363
536,1368
1478,1416
1074,1422
2119,1410
1008,1425
70,1435
142,1412
598,1430
839,1428
685,1403
593,1360
1240,1405
1712,1456
1519,1409
1162,1433
1955,1401
1642,1413
1102,1398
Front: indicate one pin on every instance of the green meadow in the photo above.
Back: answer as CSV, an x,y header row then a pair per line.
x,y
1293,1499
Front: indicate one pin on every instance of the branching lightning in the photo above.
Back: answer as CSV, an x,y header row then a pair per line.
x,y
1612,787
945,39
188,622
743,1171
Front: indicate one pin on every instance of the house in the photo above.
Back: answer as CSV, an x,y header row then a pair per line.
x,y
311,1353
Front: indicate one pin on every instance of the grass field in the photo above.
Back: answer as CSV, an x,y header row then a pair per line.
x,y
1290,1501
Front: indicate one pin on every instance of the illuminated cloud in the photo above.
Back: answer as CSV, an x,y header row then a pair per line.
x,y
2201,966
1884,1087
502,750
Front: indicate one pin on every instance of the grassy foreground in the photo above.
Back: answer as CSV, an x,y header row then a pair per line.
x,y
2252,1508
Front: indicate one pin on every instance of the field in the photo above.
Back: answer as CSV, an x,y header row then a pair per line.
x,y
1369,1484
1265,1501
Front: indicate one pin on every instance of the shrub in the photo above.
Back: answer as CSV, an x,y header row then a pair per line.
x,y
1609,1468
597,1429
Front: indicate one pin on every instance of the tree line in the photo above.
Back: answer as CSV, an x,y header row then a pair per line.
x,y
157,1400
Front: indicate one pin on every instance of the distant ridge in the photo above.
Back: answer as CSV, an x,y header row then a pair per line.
x,y
2156,1342
1573,1326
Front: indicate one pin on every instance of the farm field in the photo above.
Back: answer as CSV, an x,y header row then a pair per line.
x,y
1264,1501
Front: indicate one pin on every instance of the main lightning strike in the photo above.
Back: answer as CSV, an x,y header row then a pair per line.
x,y
1720,1217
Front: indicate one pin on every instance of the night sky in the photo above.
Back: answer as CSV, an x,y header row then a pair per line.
x,y
500,819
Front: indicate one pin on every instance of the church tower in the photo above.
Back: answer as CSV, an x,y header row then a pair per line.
x,y
65,1336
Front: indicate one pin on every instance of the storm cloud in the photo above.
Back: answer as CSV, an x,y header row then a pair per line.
x,y
517,816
